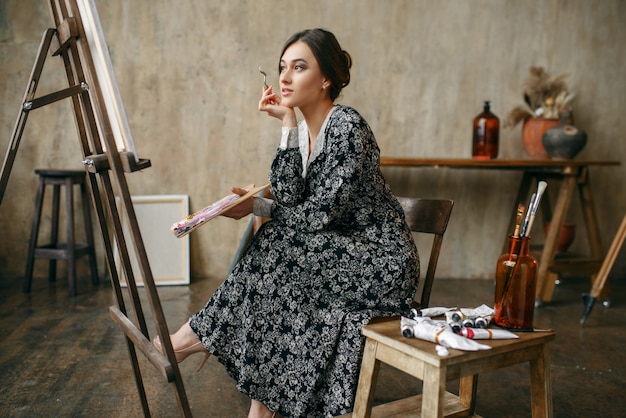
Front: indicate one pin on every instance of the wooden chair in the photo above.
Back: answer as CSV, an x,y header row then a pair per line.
x,y
427,216
419,358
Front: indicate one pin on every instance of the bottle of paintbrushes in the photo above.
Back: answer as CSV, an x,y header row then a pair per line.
x,y
516,272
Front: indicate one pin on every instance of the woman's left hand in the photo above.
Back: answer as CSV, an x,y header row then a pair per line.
x,y
242,209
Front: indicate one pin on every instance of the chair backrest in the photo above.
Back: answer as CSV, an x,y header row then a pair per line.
x,y
428,216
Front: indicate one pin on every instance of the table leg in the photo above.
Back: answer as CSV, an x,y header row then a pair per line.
x,y
591,223
369,374
545,286
433,391
589,214
541,385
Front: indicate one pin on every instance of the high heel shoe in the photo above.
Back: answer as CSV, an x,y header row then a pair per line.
x,y
183,353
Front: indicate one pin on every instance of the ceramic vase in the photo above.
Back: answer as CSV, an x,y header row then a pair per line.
x,y
532,134
564,142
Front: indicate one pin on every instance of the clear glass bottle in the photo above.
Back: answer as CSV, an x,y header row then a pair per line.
x,y
486,136
516,282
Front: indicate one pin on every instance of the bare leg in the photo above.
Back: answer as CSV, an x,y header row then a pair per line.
x,y
258,410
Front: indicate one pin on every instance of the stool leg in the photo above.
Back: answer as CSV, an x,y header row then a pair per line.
x,y
541,384
89,234
367,380
30,260
433,391
71,255
54,231
467,392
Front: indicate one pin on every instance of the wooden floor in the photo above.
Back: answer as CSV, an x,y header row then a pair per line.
x,y
64,357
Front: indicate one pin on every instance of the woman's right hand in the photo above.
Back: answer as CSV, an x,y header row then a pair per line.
x,y
243,208
271,103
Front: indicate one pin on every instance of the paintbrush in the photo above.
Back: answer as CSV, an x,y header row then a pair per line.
x,y
527,216
519,218
533,209
264,76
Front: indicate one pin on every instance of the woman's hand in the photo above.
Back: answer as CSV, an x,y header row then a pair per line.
x,y
242,209
271,103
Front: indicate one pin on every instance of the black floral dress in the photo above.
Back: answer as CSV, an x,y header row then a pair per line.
x,y
286,322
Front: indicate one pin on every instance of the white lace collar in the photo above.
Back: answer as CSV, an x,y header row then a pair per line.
x,y
303,142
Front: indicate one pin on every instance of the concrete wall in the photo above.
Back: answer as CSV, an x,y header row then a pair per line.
x,y
187,72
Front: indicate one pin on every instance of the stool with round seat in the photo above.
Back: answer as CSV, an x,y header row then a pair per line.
x,y
55,250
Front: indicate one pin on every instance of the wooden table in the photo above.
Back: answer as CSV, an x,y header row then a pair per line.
x,y
572,173
419,358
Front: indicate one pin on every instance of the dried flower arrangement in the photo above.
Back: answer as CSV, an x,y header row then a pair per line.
x,y
543,98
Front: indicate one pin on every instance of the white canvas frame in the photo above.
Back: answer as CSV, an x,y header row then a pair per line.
x,y
168,256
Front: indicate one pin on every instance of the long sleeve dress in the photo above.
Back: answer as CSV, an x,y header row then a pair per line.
x,y
286,322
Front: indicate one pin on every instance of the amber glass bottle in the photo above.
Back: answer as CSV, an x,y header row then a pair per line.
x,y
486,135
516,281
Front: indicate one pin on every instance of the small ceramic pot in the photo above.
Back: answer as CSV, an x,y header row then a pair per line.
x,y
564,142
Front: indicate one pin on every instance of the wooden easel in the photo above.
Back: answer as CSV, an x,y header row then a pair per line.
x,y
102,127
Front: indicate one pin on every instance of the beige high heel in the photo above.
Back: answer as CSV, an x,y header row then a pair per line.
x,y
183,353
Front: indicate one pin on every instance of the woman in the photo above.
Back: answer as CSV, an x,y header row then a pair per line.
x,y
286,322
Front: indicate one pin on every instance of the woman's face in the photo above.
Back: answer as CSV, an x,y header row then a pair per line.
x,y
301,80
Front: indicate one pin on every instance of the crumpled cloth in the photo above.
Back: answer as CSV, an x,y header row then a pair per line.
x,y
438,332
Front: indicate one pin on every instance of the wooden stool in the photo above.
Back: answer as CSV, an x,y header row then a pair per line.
x,y
54,250
419,358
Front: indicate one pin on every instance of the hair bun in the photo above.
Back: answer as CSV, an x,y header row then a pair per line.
x,y
348,58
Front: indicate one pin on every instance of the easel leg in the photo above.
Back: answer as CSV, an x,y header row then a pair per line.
x,y
138,378
22,116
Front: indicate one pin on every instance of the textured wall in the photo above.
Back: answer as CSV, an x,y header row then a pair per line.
x,y
187,72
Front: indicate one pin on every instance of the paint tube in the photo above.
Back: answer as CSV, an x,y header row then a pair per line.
x,y
487,334
454,320
482,321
